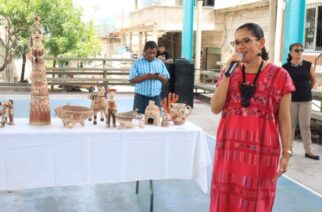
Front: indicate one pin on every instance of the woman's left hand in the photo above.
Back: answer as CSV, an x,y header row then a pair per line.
x,y
283,165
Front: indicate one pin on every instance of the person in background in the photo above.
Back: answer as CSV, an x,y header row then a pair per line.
x,y
162,54
148,74
254,134
303,76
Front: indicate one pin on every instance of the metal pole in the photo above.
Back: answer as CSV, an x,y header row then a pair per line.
x,y
198,42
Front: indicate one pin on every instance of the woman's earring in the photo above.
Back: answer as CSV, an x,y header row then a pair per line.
x,y
259,54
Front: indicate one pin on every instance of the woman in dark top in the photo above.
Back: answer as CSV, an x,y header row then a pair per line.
x,y
304,79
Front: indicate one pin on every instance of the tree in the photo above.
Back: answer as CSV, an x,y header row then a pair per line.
x,y
18,19
65,34
6,45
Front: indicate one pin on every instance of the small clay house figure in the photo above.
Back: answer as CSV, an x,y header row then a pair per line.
x,y
152,114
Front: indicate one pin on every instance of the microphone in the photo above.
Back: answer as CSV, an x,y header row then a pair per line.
x,y
233,65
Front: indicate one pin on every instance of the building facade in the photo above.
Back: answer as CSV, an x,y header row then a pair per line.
x,y
162,22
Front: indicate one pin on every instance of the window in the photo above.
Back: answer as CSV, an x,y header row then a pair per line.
x,y
209,3
313,27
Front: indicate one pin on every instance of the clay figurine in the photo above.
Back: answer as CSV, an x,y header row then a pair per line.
x,y
39,102
111,108
98,104
5,112
9,106
165,120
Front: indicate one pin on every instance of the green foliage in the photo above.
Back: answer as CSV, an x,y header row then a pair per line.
x,y
65,34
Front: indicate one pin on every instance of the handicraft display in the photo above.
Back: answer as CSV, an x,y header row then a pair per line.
x,y
111,108
39,102
6,112
179,112
99,104
130,119
72,115
166,118
152,114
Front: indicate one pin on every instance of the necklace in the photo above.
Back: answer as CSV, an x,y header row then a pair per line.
x,y
247,90
296,65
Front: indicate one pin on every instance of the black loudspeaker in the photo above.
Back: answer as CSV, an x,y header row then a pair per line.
x,y
169,87
184,76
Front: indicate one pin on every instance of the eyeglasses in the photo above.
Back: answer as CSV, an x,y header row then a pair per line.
x,y
298,50
243,42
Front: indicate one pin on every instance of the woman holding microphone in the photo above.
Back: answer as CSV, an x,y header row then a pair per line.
x,y
254,100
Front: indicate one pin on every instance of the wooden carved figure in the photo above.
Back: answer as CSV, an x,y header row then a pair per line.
x,y
111,108
39,102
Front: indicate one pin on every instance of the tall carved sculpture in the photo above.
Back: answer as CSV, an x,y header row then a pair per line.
x,y
39,101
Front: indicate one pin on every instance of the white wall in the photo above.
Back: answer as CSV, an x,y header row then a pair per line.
x,y
235,19
221,4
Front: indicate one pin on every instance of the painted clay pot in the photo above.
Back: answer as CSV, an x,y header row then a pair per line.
x,y
179,112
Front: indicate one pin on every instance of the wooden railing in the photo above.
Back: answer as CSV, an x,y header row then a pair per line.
x,y
92,71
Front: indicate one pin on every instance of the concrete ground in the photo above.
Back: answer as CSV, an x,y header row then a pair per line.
x,y
304,171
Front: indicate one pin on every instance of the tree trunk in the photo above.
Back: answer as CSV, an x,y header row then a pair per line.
x,y
22,77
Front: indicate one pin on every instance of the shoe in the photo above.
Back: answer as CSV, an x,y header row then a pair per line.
x,y
313,157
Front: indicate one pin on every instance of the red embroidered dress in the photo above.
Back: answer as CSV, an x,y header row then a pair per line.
x,y
247,146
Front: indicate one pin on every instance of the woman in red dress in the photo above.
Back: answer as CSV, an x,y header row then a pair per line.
x,y
255,104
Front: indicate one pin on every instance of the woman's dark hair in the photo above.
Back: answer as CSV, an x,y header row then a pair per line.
x,y
289,57
151,45
258,32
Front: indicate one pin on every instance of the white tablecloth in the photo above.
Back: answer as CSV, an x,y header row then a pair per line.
x,y
33,157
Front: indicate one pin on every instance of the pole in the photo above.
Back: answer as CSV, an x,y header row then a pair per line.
x,y
187,32
198,43
294,24
278,32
